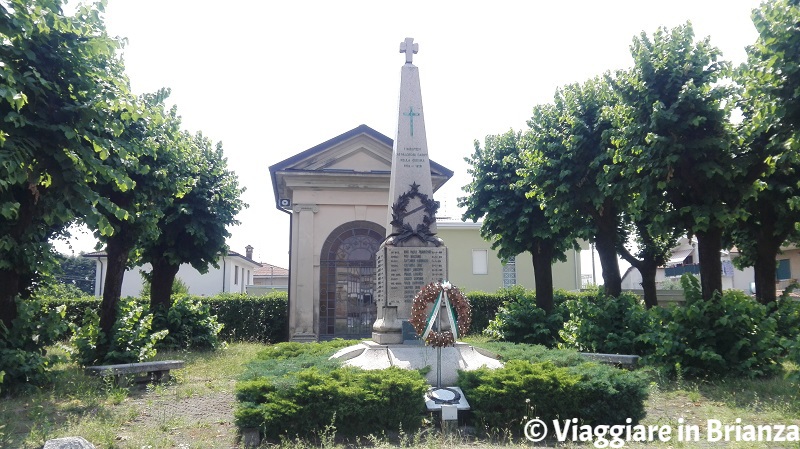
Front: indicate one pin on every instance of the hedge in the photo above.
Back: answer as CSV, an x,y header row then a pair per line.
x,y
484,308
247,318
293,389
595,394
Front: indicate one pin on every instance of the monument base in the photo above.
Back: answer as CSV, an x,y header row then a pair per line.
x,y
304,338
394,338
461,356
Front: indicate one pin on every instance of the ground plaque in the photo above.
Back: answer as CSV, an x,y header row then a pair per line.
x,y
412,255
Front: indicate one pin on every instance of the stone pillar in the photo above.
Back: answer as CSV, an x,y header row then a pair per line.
x,y
303,319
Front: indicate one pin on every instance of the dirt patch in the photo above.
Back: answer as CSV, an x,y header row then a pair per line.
x,y
185,420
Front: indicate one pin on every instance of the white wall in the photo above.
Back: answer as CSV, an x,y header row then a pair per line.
x,y
208,284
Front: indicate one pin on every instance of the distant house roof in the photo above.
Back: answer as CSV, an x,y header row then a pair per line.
x,y
99,254
270,270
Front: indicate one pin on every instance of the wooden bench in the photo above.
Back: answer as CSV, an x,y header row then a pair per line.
x,y
155,371
618,360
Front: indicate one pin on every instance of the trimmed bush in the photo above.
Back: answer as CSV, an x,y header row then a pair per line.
x,y
532,353
595,394
519,320
601,323
293,389
484,309
355,402
730,335
251,318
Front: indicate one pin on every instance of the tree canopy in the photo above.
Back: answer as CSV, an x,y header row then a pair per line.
x,y
514,222
64,99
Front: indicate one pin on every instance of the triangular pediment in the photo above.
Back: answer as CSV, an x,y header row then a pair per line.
x,y
362,149
360,158
360,153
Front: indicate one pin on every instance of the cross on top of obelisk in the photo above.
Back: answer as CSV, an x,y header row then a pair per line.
x,y
409,48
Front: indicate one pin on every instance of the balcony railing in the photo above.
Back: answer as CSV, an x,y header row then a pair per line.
x,y
678,271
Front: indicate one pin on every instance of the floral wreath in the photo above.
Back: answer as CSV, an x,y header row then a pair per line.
x,y
458,312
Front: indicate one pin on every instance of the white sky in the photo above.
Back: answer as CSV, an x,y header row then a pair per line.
x,y
272,78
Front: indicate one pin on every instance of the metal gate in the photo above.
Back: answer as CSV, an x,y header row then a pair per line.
x,y
350,310
347,281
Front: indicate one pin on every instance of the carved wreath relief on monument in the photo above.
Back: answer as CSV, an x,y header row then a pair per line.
x,y
400,212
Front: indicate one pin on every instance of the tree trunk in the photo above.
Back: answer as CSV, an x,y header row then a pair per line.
x,y
709,244
648,270
648,267
543,275
607,252
117,251
9,288
765,270
161,281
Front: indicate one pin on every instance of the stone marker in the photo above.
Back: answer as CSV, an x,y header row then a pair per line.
x,y
68,443
411,256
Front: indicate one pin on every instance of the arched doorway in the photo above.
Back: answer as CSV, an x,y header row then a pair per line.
x,y
347,280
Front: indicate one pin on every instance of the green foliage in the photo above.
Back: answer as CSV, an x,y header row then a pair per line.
x,y
520,320
293,389
514,222
355,402
793,354
252,318
532,353
484,308
730,335
282,361
59,290
787,317
244,318
76,271
22,348
604,324
189,324
131,339
63,89
595,394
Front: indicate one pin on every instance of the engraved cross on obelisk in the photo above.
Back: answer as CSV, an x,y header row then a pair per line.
x,y
412,255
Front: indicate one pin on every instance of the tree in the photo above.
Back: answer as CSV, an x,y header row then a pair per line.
x,y
193,228
512,221
567,152
77,271
152,148
678,142
770,137
63,100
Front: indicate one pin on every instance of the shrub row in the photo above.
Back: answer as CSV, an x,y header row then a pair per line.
x,y
292,389
249,318
595,394
732,334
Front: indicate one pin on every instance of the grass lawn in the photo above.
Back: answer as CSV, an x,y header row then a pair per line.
x,y
196,410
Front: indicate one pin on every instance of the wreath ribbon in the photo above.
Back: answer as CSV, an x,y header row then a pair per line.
x,y
437,305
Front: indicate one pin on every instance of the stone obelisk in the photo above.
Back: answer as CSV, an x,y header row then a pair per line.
x,y
411,256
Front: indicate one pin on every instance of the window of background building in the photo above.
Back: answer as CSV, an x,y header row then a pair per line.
x,y
510,272
480,261
784,271
236,275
